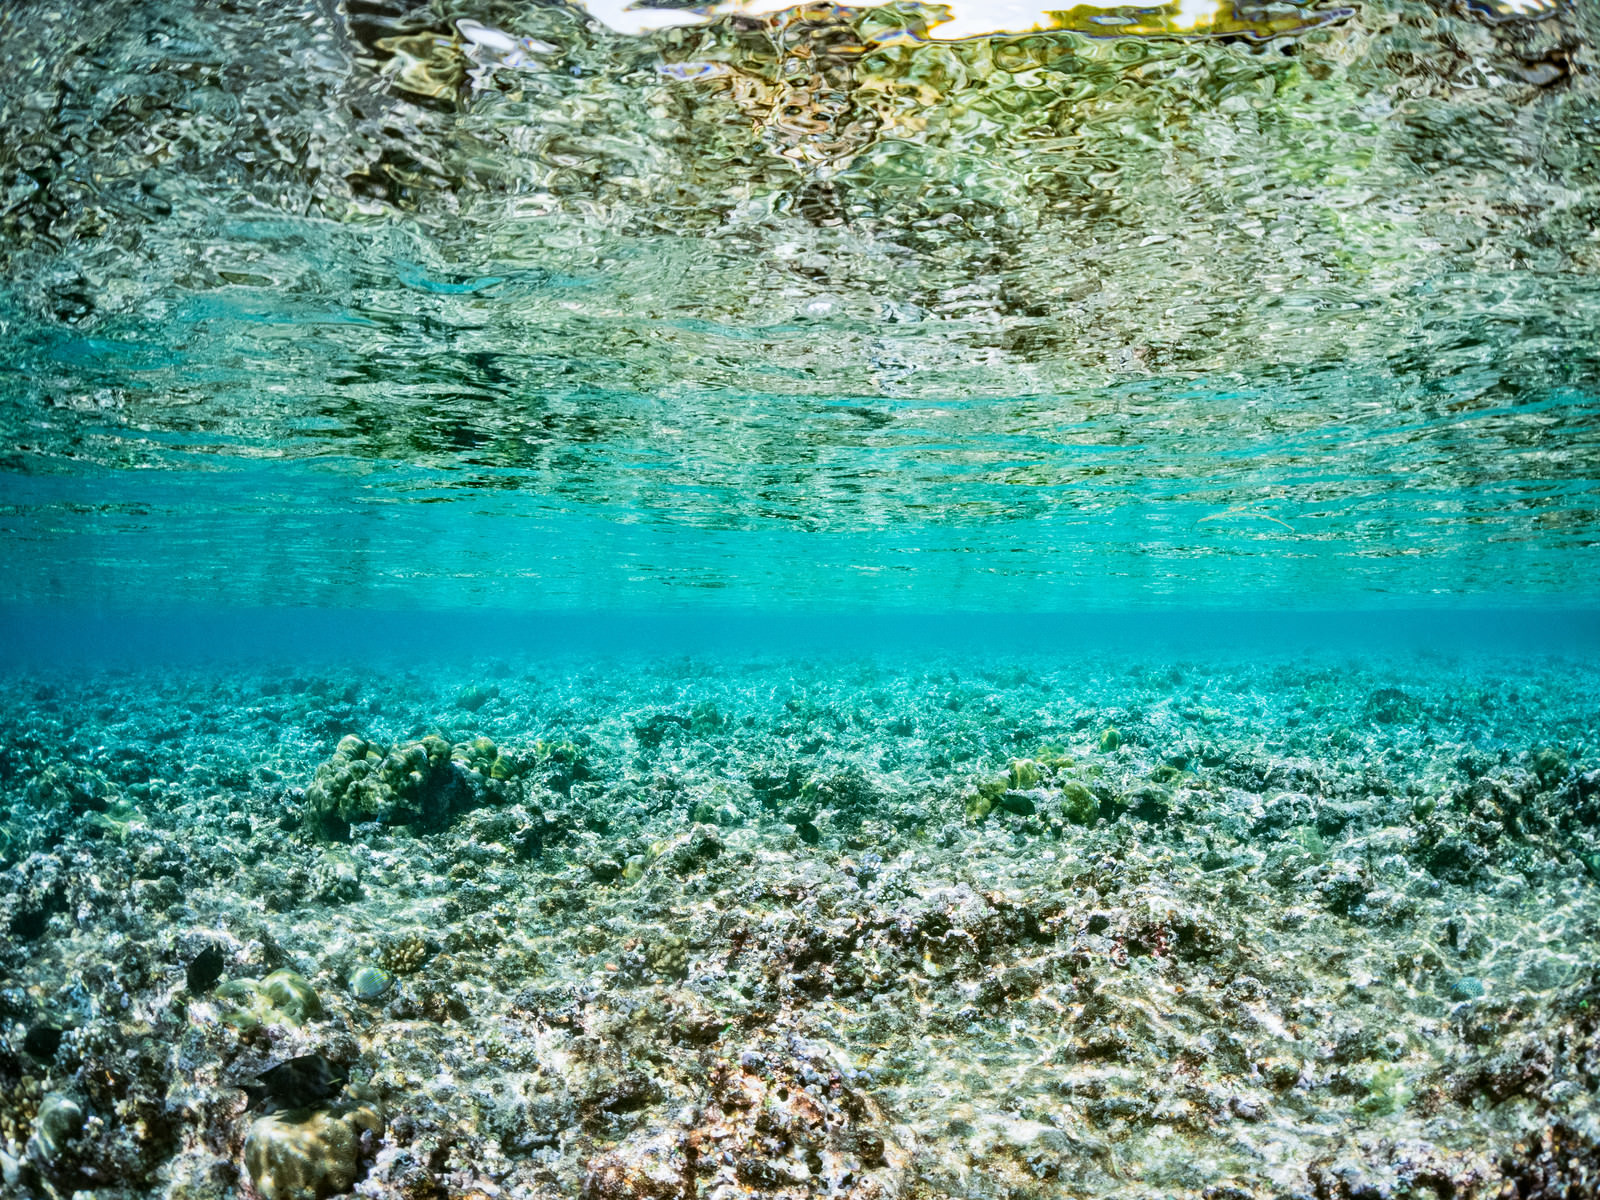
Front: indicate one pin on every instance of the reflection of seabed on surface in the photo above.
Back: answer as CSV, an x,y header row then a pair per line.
x,y
1195,17
815,308
1247,511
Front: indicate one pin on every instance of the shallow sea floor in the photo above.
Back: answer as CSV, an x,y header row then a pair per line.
x,y
715,926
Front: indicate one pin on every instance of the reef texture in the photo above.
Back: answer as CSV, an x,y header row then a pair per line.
x,y
712,928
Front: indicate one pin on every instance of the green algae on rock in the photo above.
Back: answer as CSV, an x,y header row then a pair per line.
x,y
291,995
421,784
282,997
1078,804
1023,774
475,695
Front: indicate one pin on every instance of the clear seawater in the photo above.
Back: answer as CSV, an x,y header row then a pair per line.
x,y
365,352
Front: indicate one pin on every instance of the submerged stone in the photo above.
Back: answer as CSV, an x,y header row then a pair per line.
x,y
1391,706
1151,802
421,784
1549,764
309,1154
60,1120
1078,804
1024,774
283,997
475,695
292,995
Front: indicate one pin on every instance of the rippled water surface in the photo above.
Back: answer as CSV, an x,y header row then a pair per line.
x,y
474,303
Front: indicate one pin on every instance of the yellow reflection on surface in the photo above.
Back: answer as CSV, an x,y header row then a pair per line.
x,y
1245,18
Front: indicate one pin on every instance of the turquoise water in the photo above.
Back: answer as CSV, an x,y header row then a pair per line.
x,y
683,601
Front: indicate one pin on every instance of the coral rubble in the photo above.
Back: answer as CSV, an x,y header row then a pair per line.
x,y
949,927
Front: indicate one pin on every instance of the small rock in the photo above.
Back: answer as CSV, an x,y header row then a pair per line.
x,y
60,1120
307,1154
475,696
605,870
1078,804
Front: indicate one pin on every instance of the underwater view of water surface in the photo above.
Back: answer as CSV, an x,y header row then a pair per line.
x,y
692,601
